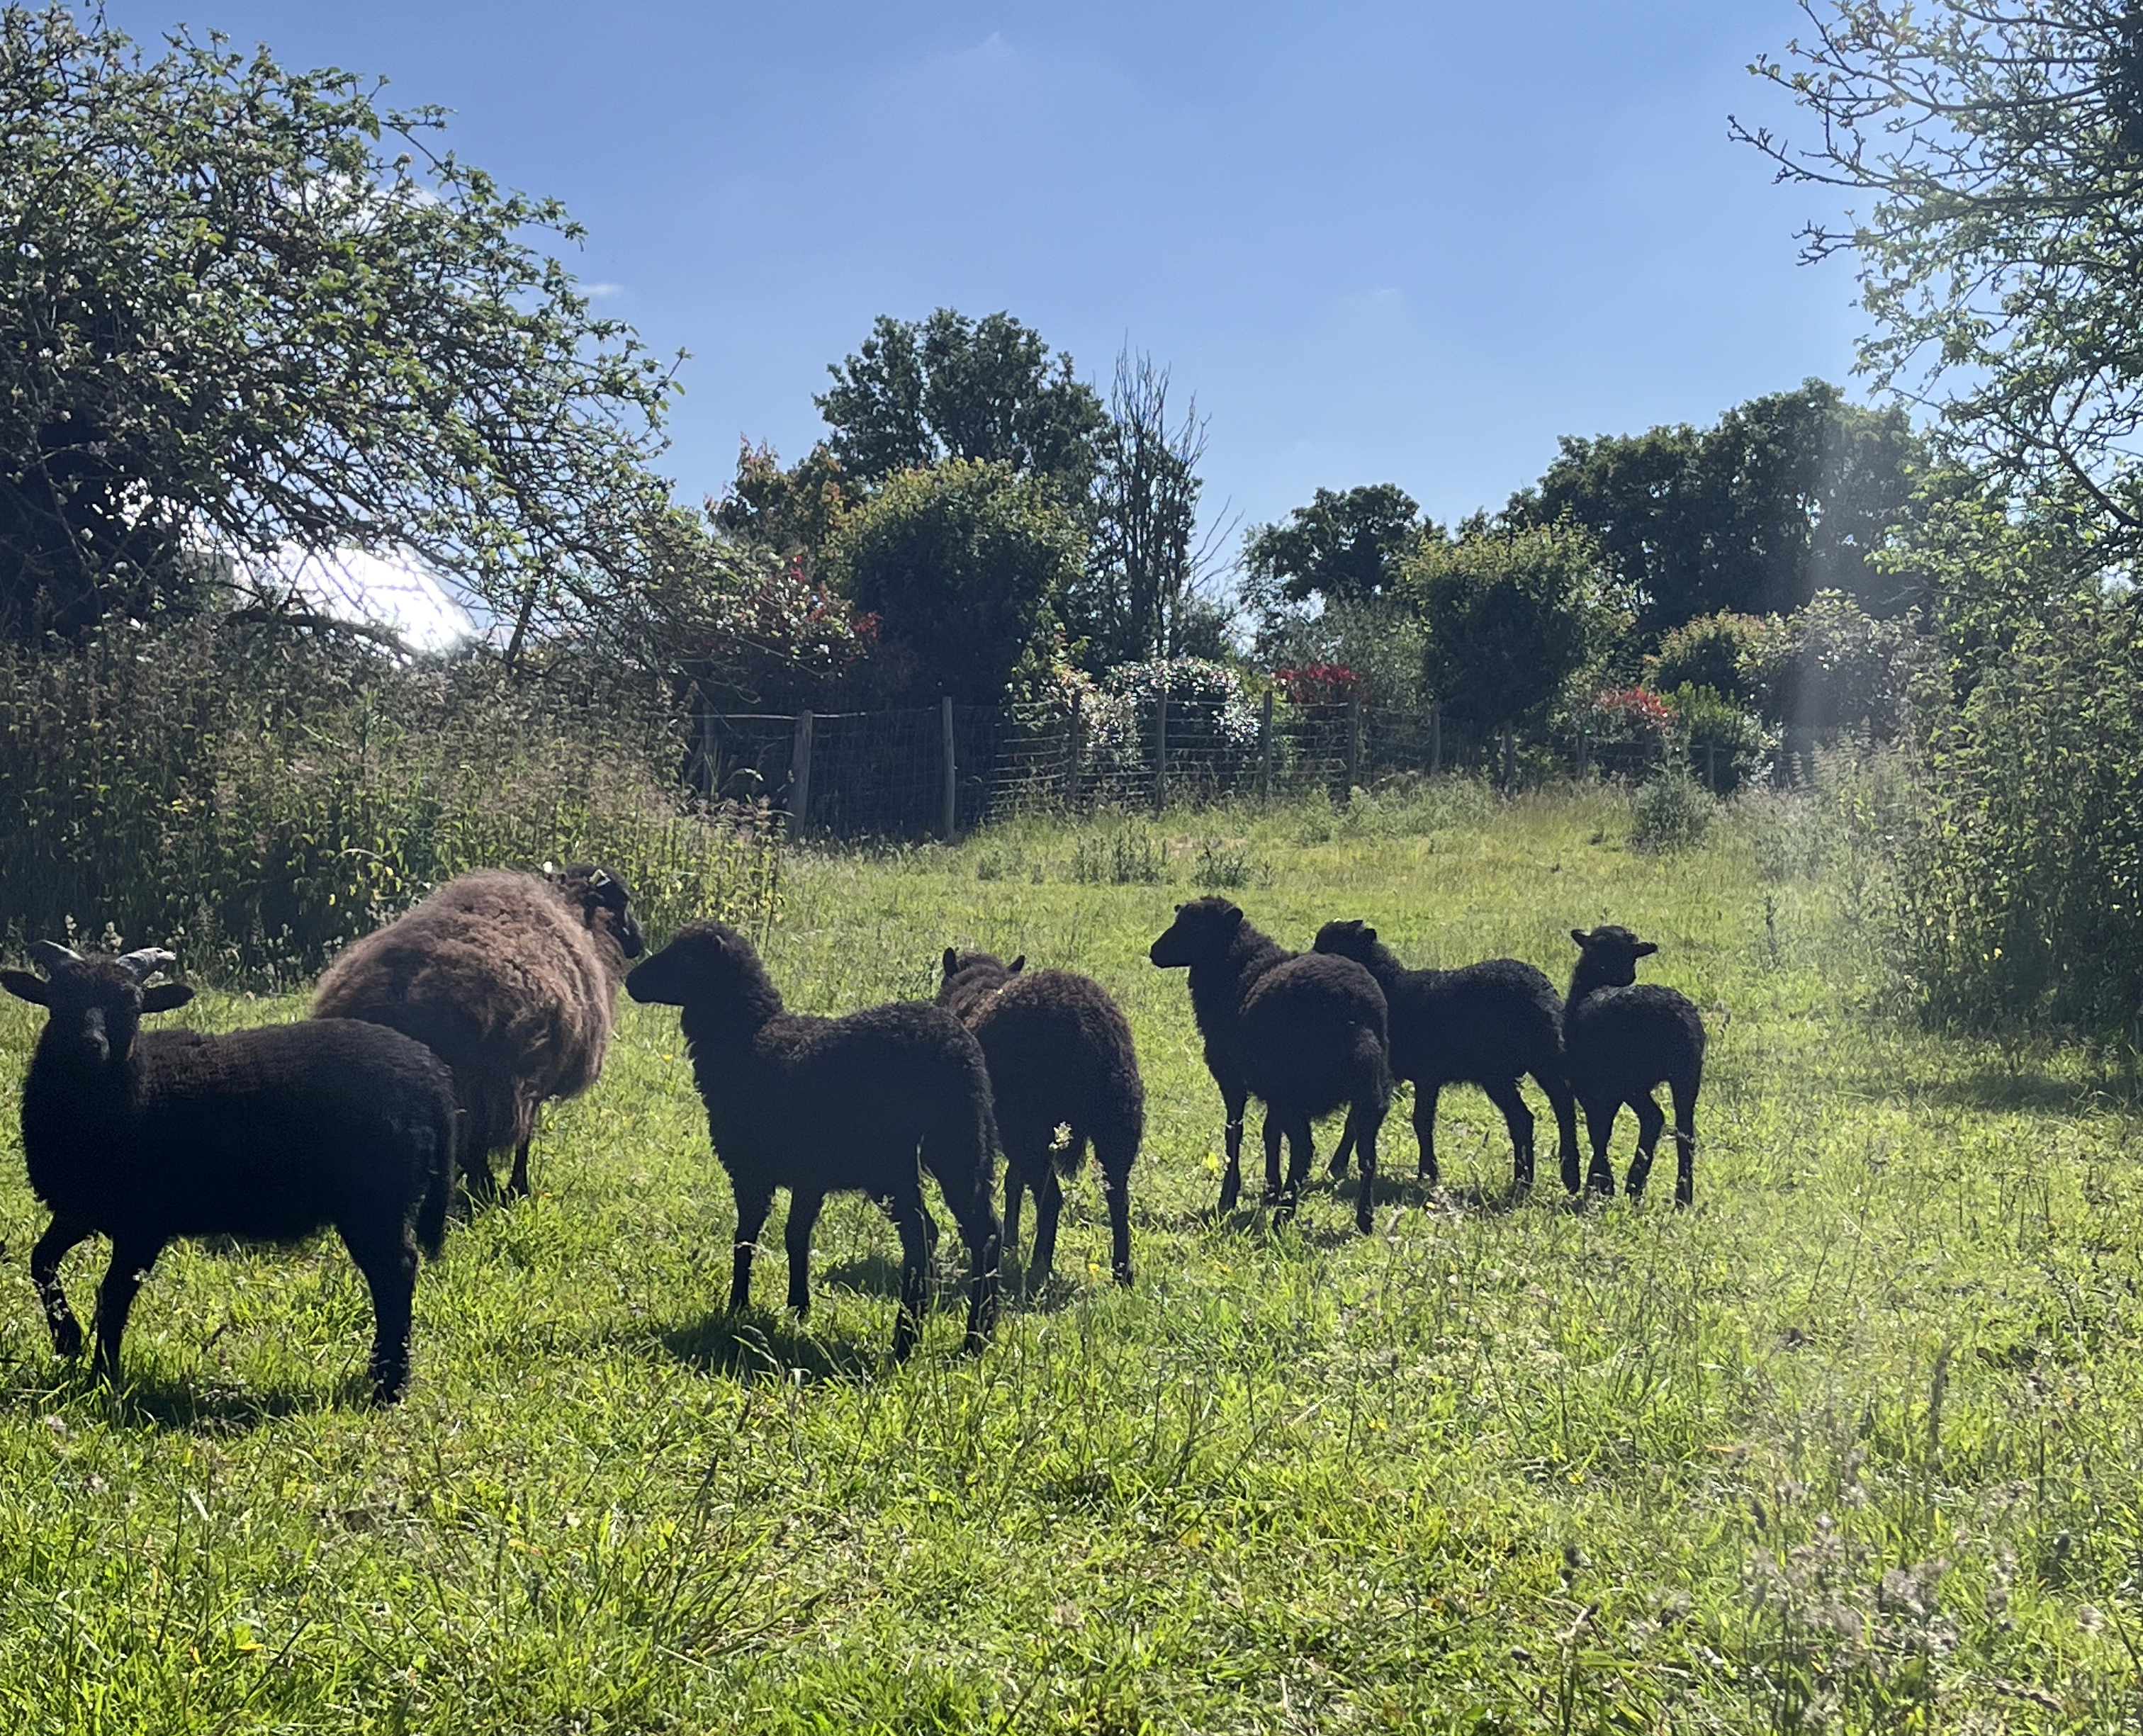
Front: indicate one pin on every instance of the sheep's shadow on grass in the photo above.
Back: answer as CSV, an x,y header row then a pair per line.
x,y
177,1406
760,1346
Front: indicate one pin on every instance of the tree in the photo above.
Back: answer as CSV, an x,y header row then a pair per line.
x,y
1343,544
1512,612
988,389
2003,143
1147,595
231,322
960,563
1786,495
794,512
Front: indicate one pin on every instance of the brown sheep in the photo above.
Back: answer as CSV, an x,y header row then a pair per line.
x,y
509,978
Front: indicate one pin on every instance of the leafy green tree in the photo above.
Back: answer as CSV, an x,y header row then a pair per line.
x,y
1999,253
1714,652
1784,496
950,387
1512,613
792,511
1344,544
230,320
960,563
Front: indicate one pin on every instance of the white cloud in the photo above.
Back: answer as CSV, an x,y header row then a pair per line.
x,y
595,292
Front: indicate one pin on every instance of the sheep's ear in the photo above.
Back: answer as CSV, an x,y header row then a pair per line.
x,y
1368,933
1234,916
27,986
950,961
163,997
1179,910
1016,966
1645,948
1580,936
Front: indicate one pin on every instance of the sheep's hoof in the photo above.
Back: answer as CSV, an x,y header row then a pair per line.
x,y
67,1340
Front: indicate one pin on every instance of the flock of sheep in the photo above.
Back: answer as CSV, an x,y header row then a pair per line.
x,y
434,1042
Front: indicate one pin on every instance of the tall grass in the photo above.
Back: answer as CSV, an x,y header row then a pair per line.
x,y
256,803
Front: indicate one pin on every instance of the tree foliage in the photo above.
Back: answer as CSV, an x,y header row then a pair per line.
x,y
1786,495
1344,544
961,564
230,319
1511,613
2003,143
949,387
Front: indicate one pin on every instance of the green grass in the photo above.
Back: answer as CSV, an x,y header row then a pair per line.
x,y
1853,1445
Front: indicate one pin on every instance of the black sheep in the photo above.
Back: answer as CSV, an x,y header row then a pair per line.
x,y
1487,1024
1622,1039
1303,1031
1060,1054
822,1105
264,1135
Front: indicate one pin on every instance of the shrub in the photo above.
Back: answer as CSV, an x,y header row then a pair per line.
x,y
1714,652
1672,812
1832,665
1718,732
257,803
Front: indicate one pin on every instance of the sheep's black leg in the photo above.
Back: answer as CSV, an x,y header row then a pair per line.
x,y
1343,1150
517,1187
1048,1208
802,1219
1650,1125
1426,1091
389,1262
1370,1123
130,1261
1015,1198
1116,1188
1519,1120
1231,1184
1684,1104
477,1178
1300,1154
61,1238
1565,1102
910,1218
1273,1131
984,1235
752,1204
1600,1123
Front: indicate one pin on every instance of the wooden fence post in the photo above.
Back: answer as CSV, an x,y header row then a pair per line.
x,y
1435,740
951,793
1074,752
1711,767
1354,738
1510,754
1264,752
1160,749
799,776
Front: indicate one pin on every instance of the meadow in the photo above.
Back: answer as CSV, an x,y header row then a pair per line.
x,y
1851,1444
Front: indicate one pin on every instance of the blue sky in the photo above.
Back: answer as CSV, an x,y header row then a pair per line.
x,y
1397,243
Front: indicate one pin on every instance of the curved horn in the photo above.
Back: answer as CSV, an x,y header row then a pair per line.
x,y
52,955
145,961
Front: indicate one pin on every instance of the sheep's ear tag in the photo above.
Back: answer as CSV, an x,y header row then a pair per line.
x,y
599,880
550,867
1645,948
163,997
950,959
1017,965
27,986
1580,936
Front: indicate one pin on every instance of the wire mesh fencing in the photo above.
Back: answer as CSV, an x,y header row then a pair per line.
x,y
940,770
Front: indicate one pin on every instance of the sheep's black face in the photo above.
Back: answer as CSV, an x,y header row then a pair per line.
x,y
1203,930
706,961
605,898
97,1002
1610,952
1353,938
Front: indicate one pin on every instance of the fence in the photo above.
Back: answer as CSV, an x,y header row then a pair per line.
x,y
939,771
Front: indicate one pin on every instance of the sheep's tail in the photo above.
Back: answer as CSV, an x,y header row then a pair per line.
x,y
439,1197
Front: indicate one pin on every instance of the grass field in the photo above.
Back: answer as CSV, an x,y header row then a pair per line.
x,y
1853,1445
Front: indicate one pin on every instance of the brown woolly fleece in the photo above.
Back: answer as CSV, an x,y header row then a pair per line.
x,y
509,978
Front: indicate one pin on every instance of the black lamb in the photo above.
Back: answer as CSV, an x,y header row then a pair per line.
x,y
1622,1039
822,1105
1060,1054
1303,1031
266,1134
1487,1024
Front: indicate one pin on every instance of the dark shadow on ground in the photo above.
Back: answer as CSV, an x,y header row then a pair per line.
x,y
759,1346
209,1407
1995,1087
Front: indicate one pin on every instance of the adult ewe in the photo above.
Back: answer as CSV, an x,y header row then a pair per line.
x,y
266,1134
1303,1031
823,1105
511,980
1622,1039
1060,1054
1487,1024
